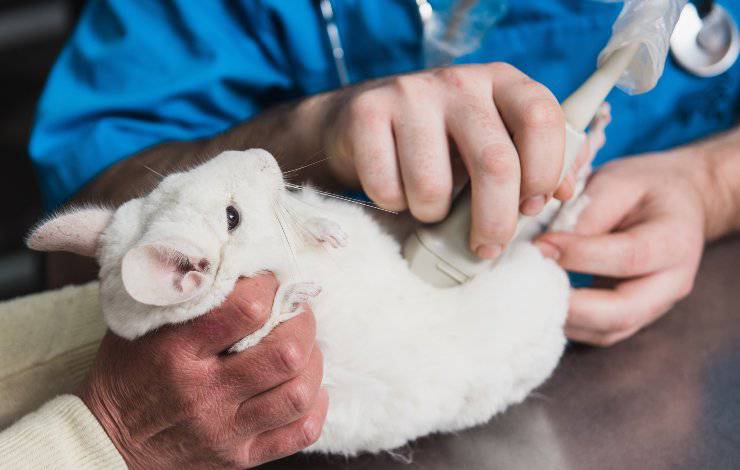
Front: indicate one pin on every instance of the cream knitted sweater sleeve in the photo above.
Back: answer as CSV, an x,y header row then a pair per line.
x,y
47,344
62,434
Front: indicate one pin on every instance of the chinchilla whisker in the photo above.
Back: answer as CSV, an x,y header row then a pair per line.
x,y
296,224
307,165
295,219
291,211
161,176
288,179
301,226
310,158
292,222
287,240
341,198
293,198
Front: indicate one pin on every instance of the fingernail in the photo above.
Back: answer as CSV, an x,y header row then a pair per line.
x,y
533,205
488,251
548,250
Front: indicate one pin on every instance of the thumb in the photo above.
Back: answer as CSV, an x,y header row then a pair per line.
x,y
606,201
243,312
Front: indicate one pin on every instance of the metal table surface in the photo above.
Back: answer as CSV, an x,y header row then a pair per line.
x,y
667,398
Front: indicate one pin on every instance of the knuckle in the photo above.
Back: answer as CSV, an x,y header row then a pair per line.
x,y
254,309
291,357
408,86
428,213
384,194
542,112
540,183
252,455
317,367
162,359
453,77
497,159
364,107
500,232
502,69
311,430
635,256
429,190
298,396
232,453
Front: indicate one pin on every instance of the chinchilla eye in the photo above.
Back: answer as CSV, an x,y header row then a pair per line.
x,y
232,218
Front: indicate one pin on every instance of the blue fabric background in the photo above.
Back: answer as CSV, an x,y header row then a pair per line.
x,y
136,73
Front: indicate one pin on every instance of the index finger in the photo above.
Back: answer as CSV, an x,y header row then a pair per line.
x,y
537,127
642,249
243,312
493,165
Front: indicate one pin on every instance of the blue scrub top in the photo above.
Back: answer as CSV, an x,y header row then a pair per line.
x,y
136,73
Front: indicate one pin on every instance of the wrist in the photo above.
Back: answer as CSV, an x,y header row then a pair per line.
x,y
714,168
316,118
308,118
109,420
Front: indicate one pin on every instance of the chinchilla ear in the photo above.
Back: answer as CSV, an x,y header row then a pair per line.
x,y
166,272
76,231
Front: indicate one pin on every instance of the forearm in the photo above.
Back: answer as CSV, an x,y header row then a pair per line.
x,y
718,179
61,434
288,131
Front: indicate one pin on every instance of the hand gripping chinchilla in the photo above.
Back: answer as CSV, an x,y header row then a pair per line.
x,y
402,358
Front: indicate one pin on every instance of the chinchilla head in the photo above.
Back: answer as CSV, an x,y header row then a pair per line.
x,y
169,248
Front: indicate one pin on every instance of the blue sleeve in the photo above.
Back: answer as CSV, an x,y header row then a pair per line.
x,y
136,73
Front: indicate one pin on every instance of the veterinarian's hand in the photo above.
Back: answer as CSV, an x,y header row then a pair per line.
x,y
643,234
174,399
409,139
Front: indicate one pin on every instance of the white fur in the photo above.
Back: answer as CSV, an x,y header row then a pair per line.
x,y
402,359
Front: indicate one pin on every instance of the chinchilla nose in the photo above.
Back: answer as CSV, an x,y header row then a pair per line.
x,y
265,162
269,171
270,166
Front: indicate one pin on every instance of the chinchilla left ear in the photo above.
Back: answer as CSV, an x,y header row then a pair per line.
x,y
166,272
76,231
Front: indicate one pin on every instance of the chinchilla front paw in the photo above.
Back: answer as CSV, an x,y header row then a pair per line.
x,y
294,296
325,231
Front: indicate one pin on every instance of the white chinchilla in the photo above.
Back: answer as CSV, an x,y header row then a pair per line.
x,y
402,359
